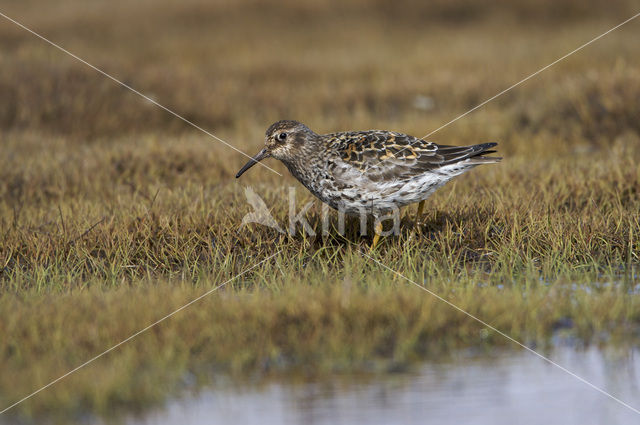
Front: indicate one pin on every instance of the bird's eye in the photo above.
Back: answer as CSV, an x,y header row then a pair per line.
x,y
282,136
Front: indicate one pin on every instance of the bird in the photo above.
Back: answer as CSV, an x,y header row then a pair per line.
x,y
375,171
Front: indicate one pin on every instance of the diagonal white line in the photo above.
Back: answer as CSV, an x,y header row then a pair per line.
x,y
532,75
133,90
515,85
137,333
548,360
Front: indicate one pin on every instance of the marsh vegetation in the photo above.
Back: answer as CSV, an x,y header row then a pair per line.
x,y
113,213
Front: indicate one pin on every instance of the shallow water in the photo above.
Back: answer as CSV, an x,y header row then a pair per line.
x,y
509,388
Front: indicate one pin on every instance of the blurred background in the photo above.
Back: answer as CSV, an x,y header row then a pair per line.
x,y
234,67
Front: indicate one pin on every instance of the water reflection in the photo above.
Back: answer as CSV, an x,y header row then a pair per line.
x,y
510,388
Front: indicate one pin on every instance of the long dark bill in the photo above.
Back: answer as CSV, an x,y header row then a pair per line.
x,y
253,161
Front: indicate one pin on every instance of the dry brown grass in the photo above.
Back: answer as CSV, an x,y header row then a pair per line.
x,y
113,213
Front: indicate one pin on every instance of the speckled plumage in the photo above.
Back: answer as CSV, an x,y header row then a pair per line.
x,y
367,171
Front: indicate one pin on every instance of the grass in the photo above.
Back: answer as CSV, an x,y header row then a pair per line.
x,y
113,213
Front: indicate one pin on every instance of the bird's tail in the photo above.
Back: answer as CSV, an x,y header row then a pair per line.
x,y
484,149
472,154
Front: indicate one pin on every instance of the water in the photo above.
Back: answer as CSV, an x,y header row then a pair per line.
x,y
509,388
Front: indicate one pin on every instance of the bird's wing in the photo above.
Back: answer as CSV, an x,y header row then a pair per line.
x,y
385,155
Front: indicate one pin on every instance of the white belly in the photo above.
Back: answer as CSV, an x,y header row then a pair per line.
x,y
365,195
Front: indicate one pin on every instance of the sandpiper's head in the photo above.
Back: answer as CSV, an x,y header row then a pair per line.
x,y
283,140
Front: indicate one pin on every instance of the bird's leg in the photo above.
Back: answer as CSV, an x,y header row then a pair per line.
x,y
420,211
376,234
